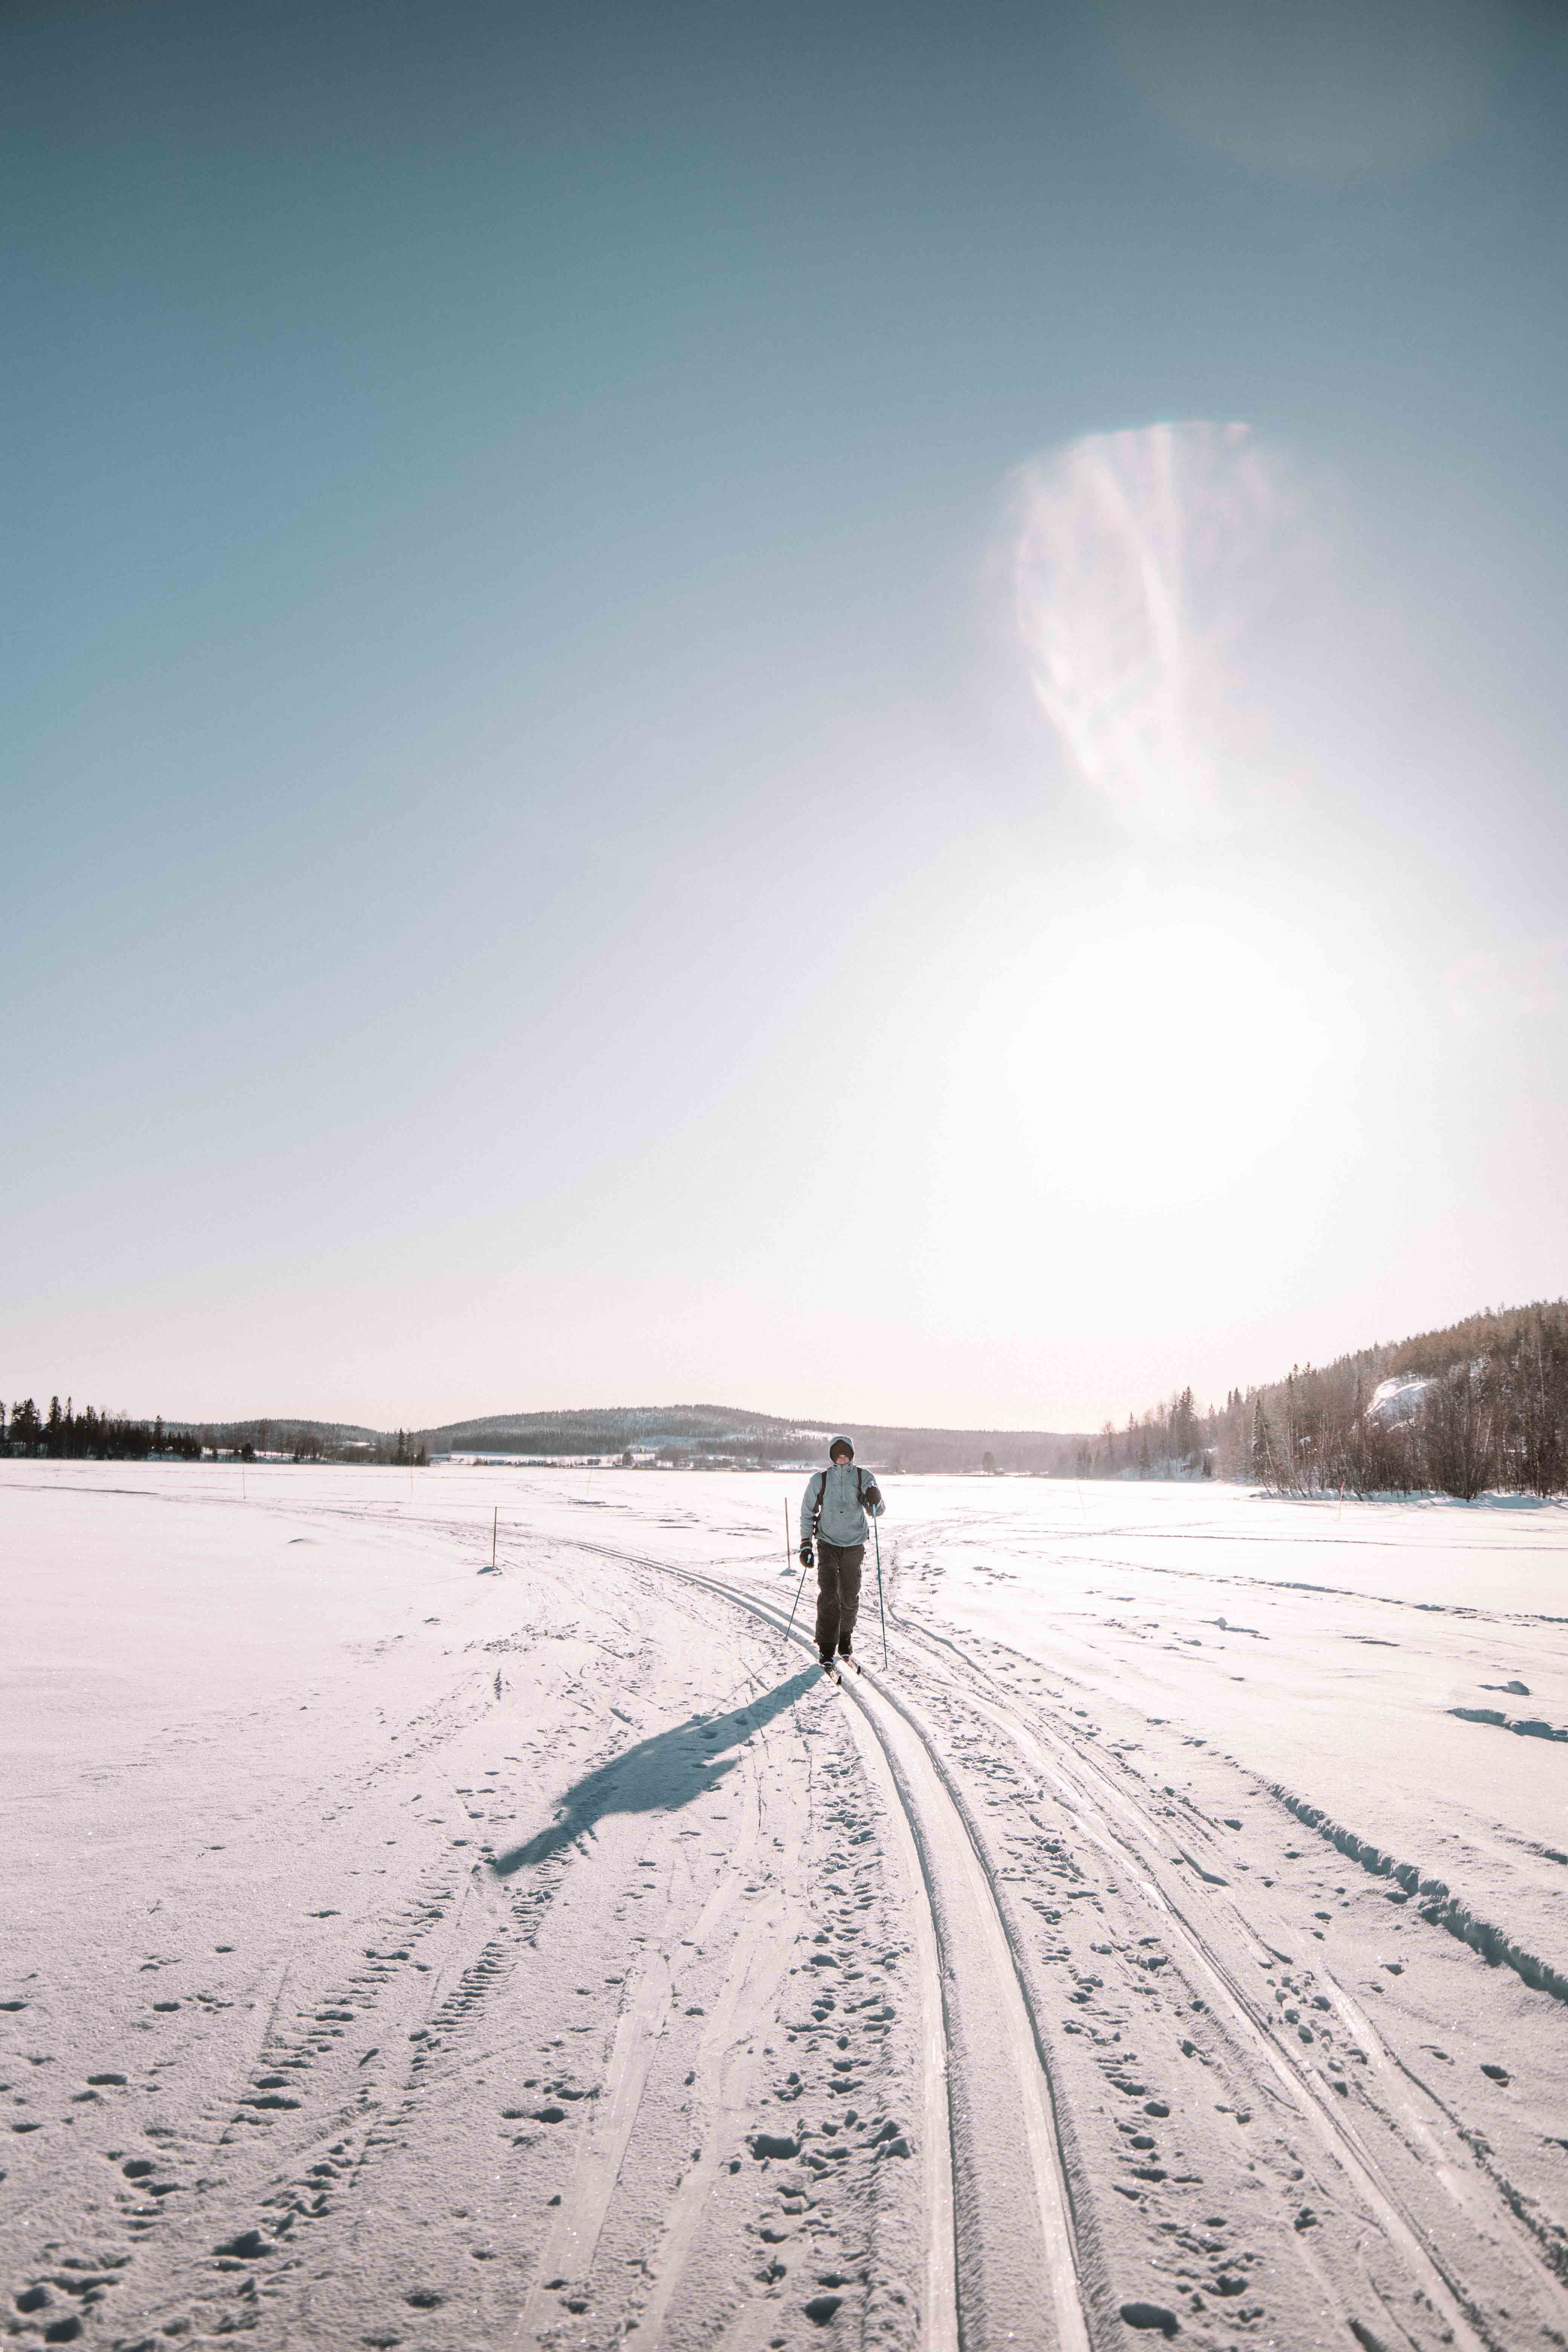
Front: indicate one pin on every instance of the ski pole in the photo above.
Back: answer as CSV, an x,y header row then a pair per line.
x,y
800,1587
877,1534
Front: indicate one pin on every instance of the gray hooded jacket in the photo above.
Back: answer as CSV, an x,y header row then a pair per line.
x,y
841,1488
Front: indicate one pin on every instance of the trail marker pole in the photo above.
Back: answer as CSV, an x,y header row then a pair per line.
x,y
800,1587
495,1522
881,1610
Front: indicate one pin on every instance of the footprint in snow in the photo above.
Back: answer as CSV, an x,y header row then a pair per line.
x,y
248,2246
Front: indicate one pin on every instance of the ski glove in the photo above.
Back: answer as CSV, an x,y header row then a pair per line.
x,y
874,1500
806,1555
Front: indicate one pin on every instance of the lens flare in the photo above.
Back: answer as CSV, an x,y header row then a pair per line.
x,y
1147,564
1340,91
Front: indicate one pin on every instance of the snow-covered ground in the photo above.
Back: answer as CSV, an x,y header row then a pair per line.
x,y
395,1953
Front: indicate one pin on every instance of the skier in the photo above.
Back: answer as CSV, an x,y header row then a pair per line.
x,y
833,1509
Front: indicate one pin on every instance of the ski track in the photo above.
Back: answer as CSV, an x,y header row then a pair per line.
x,y
1171,1882
1012,2223
264,2208
271,2164
1110,1807
1017,1836
1301,2087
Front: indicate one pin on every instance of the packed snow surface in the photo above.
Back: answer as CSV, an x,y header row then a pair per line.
x,y
1170,1938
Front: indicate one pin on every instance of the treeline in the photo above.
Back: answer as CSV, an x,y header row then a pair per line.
x,y
65,1435
1170,1440
1482,1404
315,1441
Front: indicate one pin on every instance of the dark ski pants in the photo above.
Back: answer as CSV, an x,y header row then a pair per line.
x,y
837,1594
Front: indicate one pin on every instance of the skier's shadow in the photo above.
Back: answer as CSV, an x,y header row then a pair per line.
x,y
657,1775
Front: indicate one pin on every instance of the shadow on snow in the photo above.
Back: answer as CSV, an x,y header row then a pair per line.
x,y
657,1775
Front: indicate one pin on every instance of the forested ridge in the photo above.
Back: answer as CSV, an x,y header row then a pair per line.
x,y
1480,1404
63,1434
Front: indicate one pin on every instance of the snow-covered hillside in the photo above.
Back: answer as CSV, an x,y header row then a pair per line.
x,y
1170,1939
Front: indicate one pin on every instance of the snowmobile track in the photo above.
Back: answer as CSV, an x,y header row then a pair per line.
x,y
1003,2235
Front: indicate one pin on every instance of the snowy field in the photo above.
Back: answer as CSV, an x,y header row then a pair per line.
x,y
1172,1940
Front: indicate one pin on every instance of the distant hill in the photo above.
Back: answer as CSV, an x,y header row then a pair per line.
x,y
724,1434
279,1435
599,1428
718,1435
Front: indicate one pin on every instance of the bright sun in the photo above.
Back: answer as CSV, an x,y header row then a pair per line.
x,y
1160,1060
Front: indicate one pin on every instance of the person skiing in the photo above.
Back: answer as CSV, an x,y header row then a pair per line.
x,y
833,1509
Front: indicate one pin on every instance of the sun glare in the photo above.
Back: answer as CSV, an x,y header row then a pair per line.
x,y
1160,1058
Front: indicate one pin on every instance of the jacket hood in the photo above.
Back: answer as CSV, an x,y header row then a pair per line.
x,y
837,1442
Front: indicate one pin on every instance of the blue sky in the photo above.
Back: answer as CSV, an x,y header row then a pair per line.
x,y
538,866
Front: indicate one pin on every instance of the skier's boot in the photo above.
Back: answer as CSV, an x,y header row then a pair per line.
x,y
847,1658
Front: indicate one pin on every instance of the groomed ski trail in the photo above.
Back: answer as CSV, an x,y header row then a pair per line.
x,y
1001,2236
944,1832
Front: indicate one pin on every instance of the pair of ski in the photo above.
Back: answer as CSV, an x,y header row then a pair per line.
x,y
833,1667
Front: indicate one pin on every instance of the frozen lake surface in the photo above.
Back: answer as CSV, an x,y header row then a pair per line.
x,y
1171,1938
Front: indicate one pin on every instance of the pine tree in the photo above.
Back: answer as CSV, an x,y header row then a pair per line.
x,y
1262,1443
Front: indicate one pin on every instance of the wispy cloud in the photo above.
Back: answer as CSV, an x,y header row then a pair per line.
x,y
1147,562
